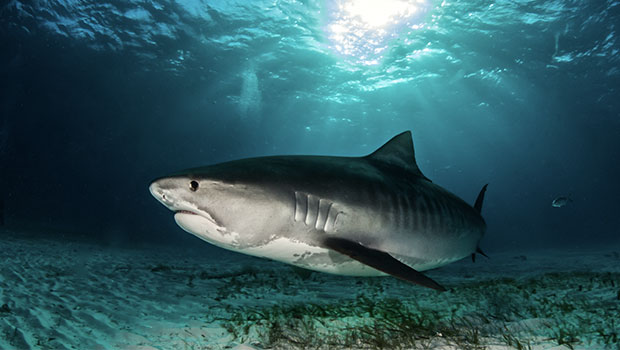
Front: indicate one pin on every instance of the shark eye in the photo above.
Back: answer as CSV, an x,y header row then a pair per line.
x,y
193,185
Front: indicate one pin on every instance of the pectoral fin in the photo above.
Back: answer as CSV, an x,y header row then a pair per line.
x,y
381,261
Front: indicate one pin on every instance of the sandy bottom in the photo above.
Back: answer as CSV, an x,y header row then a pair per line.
x,y
61,295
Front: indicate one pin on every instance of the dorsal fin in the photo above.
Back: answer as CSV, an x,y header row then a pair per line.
x,y
478,204
398,151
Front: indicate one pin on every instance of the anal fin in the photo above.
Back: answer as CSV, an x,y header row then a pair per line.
x,y
479,251
381,261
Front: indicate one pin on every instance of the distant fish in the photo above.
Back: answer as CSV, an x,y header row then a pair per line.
x,y
561,201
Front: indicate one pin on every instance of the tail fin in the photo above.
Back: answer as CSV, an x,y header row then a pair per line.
x,y
478,204
478,207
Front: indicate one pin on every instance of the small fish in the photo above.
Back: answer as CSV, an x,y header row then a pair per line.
x,y
561,201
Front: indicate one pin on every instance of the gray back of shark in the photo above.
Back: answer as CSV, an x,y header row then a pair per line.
x,y
360,216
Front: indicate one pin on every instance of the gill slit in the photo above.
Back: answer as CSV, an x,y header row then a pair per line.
x,y
315,212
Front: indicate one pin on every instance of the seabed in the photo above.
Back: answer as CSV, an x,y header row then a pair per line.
x,y
77,295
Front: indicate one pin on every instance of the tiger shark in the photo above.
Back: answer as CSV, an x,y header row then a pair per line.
x,y
358,216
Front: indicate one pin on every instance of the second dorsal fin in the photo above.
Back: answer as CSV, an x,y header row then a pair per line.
x,y
399,152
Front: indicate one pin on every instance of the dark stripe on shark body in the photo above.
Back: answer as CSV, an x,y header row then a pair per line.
x,y
459,219
453,213
429,211
437,219
420,208
397,216
392,202
412,213
403,212
436,214
444,217
441,213
375,196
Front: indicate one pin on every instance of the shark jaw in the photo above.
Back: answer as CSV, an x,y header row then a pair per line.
x,y
193,220
203,226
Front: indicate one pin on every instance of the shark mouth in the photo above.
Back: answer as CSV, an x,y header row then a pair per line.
x,y
185,212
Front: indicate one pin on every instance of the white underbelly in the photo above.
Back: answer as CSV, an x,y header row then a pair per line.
x,y
295,252
310,257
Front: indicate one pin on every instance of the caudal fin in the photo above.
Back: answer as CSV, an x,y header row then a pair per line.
x,y
480,199
478,208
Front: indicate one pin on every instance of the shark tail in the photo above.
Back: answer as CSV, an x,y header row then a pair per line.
x,y
478,208
480,199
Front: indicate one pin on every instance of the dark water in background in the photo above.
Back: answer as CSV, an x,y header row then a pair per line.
x,y
98,98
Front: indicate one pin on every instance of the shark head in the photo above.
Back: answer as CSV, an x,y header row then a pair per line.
x,y
221,207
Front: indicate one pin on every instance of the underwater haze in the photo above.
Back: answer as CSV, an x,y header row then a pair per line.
x,y
99,98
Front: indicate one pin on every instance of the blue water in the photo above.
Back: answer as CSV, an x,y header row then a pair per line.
x,y
98,98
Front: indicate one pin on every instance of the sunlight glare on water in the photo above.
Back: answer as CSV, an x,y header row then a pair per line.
x,y
361,29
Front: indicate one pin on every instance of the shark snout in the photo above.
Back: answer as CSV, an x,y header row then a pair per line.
x,y
169,196
160,194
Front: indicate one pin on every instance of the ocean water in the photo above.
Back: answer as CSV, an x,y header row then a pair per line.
x,y
98,98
